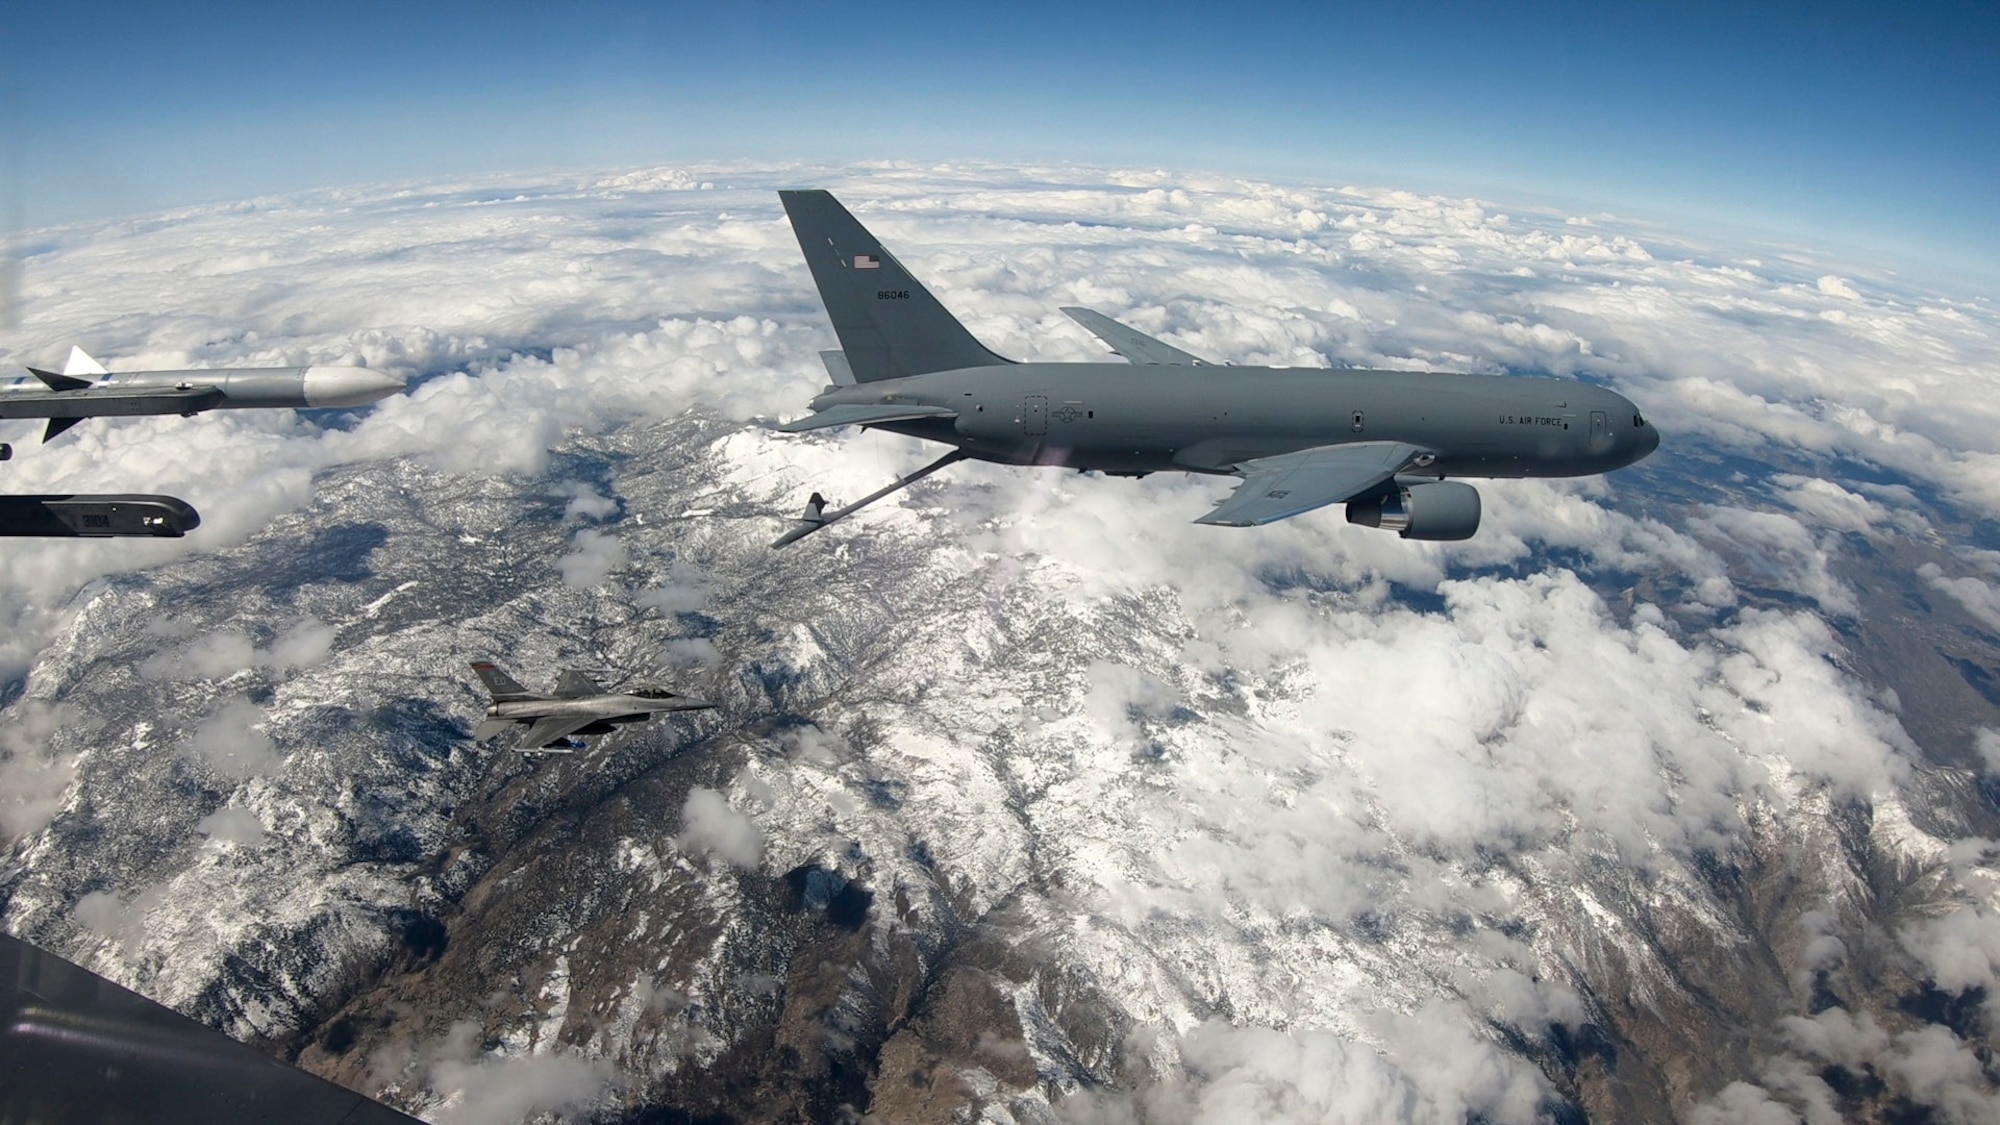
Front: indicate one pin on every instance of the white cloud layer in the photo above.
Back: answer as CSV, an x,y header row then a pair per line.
x,y
1333,728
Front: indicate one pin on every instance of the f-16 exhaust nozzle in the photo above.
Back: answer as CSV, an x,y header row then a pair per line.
x,y
349,386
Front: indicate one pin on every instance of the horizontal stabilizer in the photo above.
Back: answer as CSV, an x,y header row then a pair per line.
x,y
1133,344
60,382
1274,488
487,728
864,415
80,363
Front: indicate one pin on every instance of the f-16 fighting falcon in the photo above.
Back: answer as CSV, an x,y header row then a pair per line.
x,y
578,706
85,389
1383,442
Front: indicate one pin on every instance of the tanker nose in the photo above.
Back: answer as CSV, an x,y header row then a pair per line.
x,y
349,386
1649,440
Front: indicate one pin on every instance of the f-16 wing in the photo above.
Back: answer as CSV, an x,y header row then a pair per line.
x,y
865,414
1275,488
554,728
1132,343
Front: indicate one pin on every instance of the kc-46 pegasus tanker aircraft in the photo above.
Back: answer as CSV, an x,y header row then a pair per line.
x,y
1383,442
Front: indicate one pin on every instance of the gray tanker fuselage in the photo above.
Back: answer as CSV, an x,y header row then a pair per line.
x,y
1121,418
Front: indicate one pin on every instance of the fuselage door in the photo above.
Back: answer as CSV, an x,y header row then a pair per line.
x,y
1600,432
1035,415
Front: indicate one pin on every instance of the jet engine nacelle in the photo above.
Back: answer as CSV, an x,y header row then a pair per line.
x,y
1442,509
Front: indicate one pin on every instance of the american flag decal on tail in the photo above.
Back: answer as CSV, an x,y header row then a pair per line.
x,y
867,262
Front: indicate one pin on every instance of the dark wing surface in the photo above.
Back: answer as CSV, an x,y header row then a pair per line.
x,y
1275,488
554,729
76,1048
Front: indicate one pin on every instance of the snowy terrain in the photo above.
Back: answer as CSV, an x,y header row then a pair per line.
x,y
1668,797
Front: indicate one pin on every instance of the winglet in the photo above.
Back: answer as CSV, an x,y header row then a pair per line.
x,y
80,363
837,367
57,382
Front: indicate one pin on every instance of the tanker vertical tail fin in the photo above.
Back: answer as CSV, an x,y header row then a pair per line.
x,y
889,325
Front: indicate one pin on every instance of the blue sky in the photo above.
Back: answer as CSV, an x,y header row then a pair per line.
x,y
1837,124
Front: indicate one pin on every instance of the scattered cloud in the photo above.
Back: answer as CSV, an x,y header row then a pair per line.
x,y
501,1090
35,778
304,645
685,591
710,827
586,503
1979,598
122,918
596,554
232,824
1430,1071
225,652
229,742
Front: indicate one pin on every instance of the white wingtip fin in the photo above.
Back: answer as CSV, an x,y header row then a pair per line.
x,y
837,368
80,363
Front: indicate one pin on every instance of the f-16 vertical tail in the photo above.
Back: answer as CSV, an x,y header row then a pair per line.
x,y
889,325
502,685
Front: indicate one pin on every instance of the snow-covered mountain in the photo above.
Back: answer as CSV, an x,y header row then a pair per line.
x,y
1667,798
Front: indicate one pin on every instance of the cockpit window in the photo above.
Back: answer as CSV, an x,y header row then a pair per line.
x,y
1638,422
